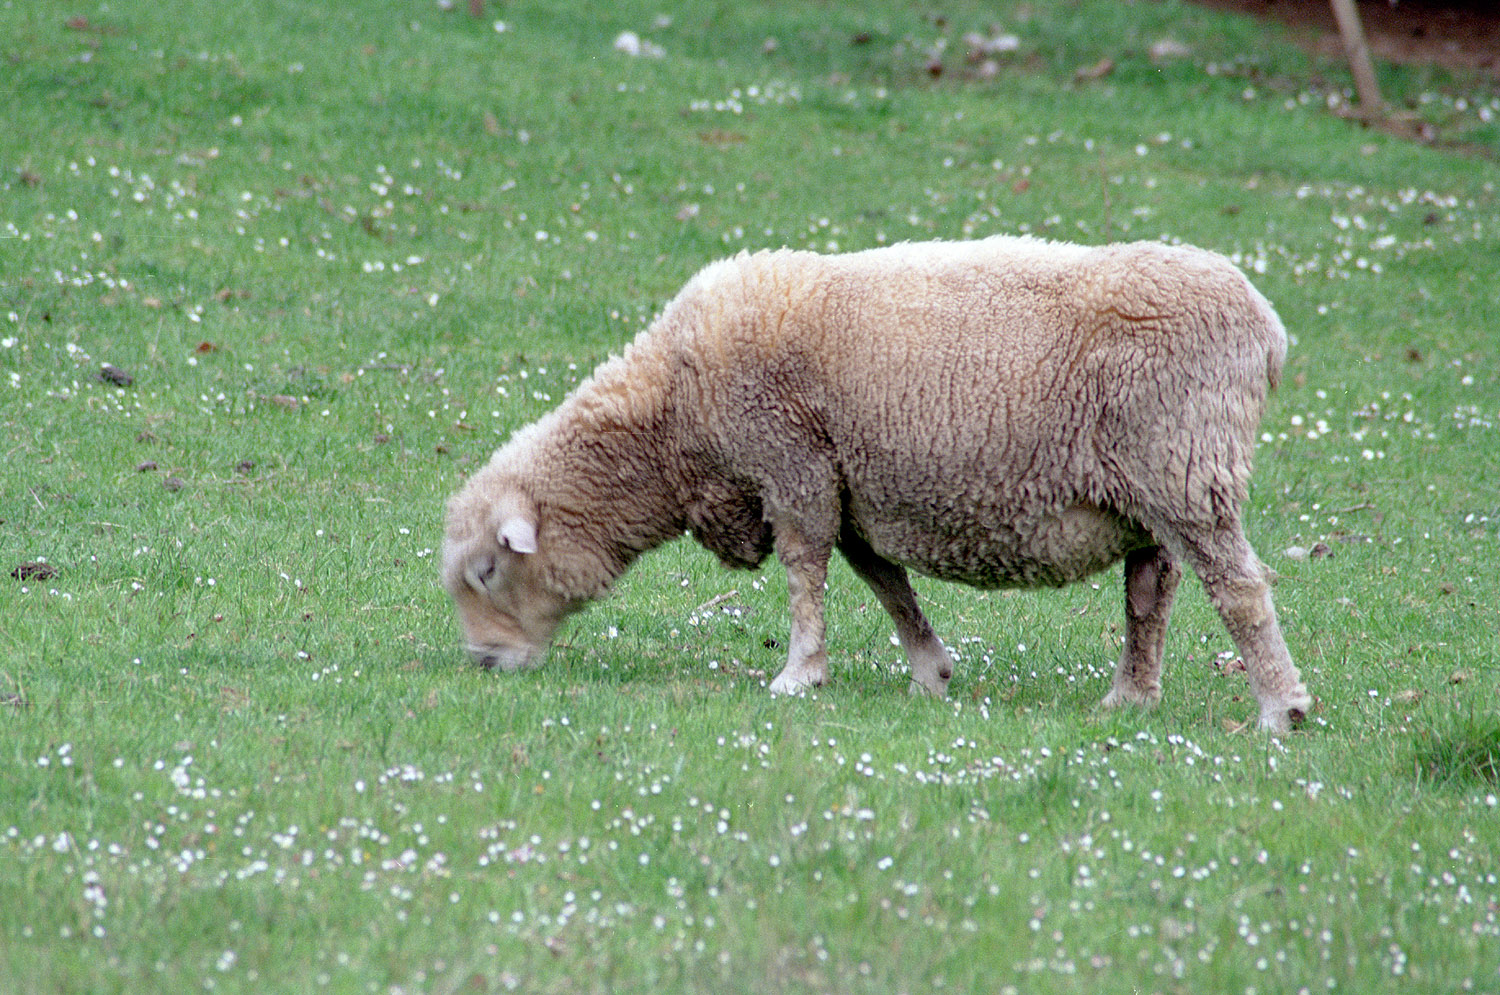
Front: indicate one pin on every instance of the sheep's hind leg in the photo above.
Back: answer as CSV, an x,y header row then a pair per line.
x,y
1236,584
806,563
1151,579
931,667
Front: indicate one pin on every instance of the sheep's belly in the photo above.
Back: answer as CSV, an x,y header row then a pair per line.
x,y
1050,551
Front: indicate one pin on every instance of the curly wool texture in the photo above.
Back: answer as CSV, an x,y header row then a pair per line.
x,y
1005,412
969,394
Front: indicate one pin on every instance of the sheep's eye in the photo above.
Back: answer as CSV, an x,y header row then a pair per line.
x,y
480,573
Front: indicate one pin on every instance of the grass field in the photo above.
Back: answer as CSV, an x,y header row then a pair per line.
x,y
333,253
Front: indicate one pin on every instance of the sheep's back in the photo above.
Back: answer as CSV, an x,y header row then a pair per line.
x,y
974,396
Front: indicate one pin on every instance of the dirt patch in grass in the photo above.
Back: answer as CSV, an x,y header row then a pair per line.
x,y
36,570
1458,36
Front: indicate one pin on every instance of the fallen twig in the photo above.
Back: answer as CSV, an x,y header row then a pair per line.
x,y
714,602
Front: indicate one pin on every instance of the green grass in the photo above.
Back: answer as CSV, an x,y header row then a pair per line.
x,y
344,249
1465,750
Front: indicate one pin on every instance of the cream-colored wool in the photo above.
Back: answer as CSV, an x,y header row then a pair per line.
x,y
1004,413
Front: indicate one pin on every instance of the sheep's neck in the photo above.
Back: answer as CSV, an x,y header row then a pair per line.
x,y
613,469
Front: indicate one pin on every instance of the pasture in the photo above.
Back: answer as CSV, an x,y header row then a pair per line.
x,y
275,276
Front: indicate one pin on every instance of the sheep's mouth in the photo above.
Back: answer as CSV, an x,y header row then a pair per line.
x,y
505,659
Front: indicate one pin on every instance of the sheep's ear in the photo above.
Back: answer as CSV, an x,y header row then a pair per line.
x,y
517,535
479,572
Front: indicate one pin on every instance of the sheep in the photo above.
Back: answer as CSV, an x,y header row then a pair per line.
x,y
1006,412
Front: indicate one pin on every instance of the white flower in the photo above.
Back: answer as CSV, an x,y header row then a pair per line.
x,y
634,45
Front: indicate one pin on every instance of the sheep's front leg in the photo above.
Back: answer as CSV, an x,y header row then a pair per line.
x,y
1151,579
806,561
931,667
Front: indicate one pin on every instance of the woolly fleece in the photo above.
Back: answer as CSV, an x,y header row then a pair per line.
x,y
1002,413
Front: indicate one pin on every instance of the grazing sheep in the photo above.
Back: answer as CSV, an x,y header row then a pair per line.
x,y
1003,413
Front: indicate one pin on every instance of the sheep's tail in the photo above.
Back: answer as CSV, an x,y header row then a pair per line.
x,y
1276,344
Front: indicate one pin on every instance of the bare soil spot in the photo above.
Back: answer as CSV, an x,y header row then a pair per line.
x,y
1462,36
37,570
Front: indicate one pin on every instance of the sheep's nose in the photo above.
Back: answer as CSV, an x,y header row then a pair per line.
x,y
501,658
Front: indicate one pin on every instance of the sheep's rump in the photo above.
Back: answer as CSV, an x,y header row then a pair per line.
x,y
1002,412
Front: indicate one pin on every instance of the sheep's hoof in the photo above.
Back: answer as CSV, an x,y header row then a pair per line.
x,y
790,684
1128,695
1275,723
1283,718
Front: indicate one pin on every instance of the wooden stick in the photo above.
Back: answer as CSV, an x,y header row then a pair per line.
x,y
1359,58
715,601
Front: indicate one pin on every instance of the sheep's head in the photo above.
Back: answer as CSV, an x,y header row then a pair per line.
x,y
490,568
